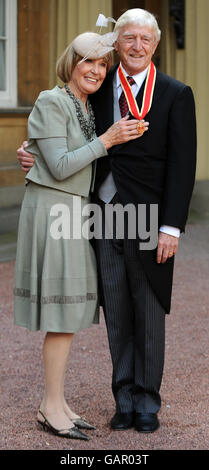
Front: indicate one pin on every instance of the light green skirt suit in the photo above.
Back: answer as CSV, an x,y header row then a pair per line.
x,y
55,273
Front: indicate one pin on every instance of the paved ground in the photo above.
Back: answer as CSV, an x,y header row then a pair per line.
x,y
185,389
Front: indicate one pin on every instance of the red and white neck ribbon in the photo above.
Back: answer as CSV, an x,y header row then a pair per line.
x,y
147,96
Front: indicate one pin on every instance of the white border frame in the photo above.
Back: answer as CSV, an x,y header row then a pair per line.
x,y
8,98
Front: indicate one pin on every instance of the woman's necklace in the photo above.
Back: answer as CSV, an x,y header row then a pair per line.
x,y
87,124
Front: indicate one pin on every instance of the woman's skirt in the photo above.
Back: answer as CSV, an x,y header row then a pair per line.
x,y
55,272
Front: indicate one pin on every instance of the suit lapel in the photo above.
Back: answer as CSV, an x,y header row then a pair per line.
x,y
103,99
139,96
160,86
102,102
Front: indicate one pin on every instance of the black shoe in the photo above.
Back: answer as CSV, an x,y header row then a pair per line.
x,y
146,422
82,424
71,433
121,421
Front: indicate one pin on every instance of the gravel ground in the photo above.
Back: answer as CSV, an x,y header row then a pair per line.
x,y
184,413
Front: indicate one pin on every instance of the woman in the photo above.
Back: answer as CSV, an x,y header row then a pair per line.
x,y
55,280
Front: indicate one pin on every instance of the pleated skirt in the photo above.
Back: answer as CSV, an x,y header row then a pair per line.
x,y
55,276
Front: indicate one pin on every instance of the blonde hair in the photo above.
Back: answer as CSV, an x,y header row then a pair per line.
x,y
69,59
140,17
66,63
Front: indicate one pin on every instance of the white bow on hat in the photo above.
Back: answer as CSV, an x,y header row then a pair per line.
x,y
103,21
95,45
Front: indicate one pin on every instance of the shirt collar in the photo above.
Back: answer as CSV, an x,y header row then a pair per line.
x,y
139,77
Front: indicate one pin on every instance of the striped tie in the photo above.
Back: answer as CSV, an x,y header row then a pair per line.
x,y
122,100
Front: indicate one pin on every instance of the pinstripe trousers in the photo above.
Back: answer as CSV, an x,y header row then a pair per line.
x,y
135,323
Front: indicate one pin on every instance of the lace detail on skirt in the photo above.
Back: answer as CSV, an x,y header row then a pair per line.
x,y
54,299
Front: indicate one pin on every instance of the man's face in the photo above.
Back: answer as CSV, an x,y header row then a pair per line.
x,y
135,45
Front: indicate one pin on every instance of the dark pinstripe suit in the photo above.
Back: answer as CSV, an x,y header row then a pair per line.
x,y
135,324
136,291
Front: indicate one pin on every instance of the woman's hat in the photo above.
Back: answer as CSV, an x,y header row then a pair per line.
x,y
94,45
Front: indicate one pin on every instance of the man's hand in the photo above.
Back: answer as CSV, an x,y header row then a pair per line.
x,y
26,159
167,247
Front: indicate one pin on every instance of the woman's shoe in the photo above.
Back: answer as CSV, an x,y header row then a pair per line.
x,y
71,433
82,424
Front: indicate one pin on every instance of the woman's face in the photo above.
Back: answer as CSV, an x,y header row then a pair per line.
x,y
88,75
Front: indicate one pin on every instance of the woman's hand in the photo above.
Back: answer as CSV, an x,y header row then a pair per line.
x,y
26,159
122,131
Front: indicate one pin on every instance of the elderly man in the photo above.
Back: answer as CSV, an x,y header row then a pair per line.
x,y
158,168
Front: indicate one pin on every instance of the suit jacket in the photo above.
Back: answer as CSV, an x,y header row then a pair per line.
x,y
158,168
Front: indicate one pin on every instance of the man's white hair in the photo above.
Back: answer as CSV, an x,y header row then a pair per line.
x,y
140,17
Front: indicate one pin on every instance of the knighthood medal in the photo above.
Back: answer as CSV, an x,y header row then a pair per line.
x,y
147,96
